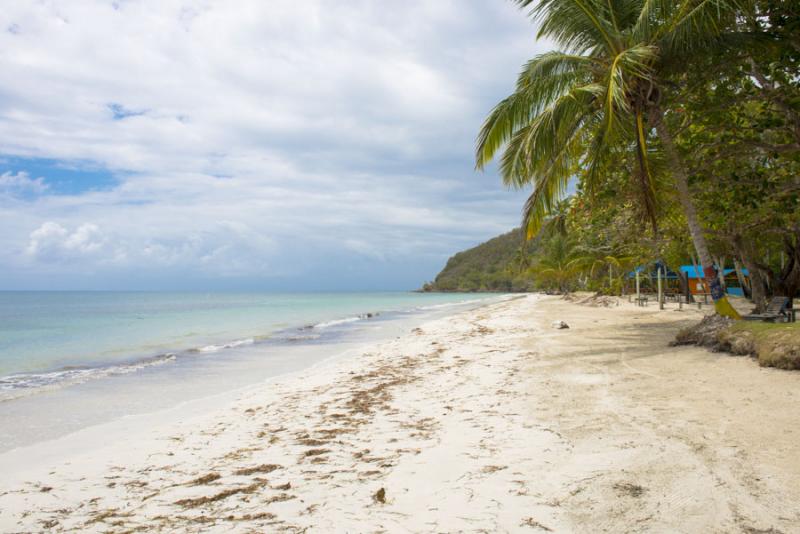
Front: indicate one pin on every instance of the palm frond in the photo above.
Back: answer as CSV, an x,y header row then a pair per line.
x,y
542,81
576,25
652,13
695,23
547,192
576,112
510,114
549,144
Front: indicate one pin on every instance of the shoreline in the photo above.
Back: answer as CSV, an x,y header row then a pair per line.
x,y
141,424
37,414
484,419
19,383
79,440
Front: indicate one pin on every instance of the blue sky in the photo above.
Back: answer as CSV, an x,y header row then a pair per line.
x,y
249,145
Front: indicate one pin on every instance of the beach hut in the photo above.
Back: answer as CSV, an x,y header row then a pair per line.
x,y
648,277
732,285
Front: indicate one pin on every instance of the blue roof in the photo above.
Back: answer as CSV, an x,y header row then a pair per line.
x,y
652,272
690,271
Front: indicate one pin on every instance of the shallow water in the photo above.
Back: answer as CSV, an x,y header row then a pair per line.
x,y
51,337
69,360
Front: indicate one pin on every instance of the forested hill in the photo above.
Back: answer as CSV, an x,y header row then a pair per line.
x,y
491,266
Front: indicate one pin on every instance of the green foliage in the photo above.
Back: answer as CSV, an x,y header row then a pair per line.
x,y
500,264
670,116
574,111
557,265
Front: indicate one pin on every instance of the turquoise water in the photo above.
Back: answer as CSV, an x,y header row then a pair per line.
x,y
55,338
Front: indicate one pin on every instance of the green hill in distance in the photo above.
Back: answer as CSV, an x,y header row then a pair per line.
x,y
496,265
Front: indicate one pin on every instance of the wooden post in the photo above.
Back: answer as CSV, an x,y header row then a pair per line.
x,y
660,293
638,296
685,287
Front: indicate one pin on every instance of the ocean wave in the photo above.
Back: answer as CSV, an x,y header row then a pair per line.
x,y
328,324
231,345
353,319
21,384
451,304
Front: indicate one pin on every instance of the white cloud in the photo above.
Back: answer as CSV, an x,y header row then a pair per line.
x,y
21,182
52,242
254,138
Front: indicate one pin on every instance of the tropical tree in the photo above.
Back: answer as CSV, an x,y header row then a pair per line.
x,y
520,262
557,266
576,110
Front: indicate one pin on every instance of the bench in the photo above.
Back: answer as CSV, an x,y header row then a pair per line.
x,y
778,308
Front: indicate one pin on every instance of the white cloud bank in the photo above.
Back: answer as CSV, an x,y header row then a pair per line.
x,y
252,139
53,242
12,183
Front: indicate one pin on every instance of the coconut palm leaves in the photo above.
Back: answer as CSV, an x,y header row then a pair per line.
x,y
556,265
573,110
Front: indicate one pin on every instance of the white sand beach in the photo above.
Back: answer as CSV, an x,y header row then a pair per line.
x,y
488,420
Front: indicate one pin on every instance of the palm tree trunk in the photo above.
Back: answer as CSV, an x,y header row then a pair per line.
x,y
758,286
721,304
740,276
721,272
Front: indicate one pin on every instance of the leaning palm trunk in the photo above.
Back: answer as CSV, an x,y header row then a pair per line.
x,y
721,303
758,286
746,291
721,272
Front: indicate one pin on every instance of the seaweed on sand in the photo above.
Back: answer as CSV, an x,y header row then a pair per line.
x,y
263,468
199,501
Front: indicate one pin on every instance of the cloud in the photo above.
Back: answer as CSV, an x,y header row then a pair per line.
x,y
21,182
253,139
224,249
52,242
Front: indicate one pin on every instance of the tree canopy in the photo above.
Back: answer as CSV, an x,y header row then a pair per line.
x,y
680,123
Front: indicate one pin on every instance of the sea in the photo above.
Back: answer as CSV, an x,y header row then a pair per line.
x,y
71,359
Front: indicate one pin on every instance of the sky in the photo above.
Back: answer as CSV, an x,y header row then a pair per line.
x,y
249,145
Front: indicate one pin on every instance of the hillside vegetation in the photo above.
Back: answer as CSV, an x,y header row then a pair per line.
x,y
496,265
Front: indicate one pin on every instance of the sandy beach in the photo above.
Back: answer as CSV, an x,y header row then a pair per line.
x,y
488,420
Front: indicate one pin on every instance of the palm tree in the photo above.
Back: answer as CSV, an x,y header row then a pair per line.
x,y
577,109
621,263
555,222
557,265
521,260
